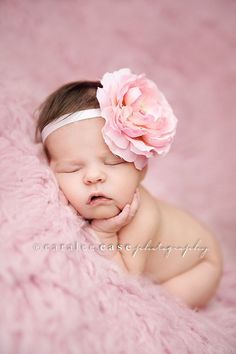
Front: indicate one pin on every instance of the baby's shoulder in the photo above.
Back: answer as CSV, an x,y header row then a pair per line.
x,y
164,215
150,209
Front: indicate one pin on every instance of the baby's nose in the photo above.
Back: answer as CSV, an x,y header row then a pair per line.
x,y
94,176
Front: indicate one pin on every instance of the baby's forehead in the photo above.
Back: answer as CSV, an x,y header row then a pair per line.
x,y
78,135
73,150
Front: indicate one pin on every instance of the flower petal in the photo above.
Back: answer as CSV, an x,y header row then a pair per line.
x,y
139,122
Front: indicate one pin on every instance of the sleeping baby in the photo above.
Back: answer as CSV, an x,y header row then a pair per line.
x,y
98,137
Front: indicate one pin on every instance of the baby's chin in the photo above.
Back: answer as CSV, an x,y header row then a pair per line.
x,y
102,212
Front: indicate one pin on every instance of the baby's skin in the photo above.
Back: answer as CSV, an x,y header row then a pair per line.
x,y
150,237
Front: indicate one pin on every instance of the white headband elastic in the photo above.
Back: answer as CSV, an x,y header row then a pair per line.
x,y
69,118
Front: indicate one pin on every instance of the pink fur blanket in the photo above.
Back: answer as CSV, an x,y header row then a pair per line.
x,y
70,301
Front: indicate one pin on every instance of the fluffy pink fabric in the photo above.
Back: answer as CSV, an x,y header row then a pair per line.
x,y
78,302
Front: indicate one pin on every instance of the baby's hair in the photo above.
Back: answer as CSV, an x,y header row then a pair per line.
x,y
69,98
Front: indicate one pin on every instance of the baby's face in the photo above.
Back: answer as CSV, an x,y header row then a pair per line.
x,y
83,164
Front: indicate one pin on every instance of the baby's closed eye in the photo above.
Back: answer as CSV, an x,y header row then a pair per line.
x,y
115,162
110,162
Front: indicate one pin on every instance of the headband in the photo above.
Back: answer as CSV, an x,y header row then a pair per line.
x,y
67,119
139,122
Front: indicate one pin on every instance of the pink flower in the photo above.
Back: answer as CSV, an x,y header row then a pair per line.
x,y
139,122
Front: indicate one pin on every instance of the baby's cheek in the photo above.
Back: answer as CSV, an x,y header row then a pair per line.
x,y
69,185
68,188
127,195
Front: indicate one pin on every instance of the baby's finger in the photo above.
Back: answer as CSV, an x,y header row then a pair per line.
x,y
120,219
135,204
114,223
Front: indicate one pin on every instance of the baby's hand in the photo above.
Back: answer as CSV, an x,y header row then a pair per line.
x,y
114,224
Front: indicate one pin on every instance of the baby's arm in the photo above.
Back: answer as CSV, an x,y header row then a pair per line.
x,y
142,230
108,239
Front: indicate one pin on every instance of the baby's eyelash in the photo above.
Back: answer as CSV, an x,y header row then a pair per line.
x,y
105,163
114,163
77,169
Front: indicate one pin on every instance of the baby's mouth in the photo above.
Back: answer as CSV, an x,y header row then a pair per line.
x,y
98,198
